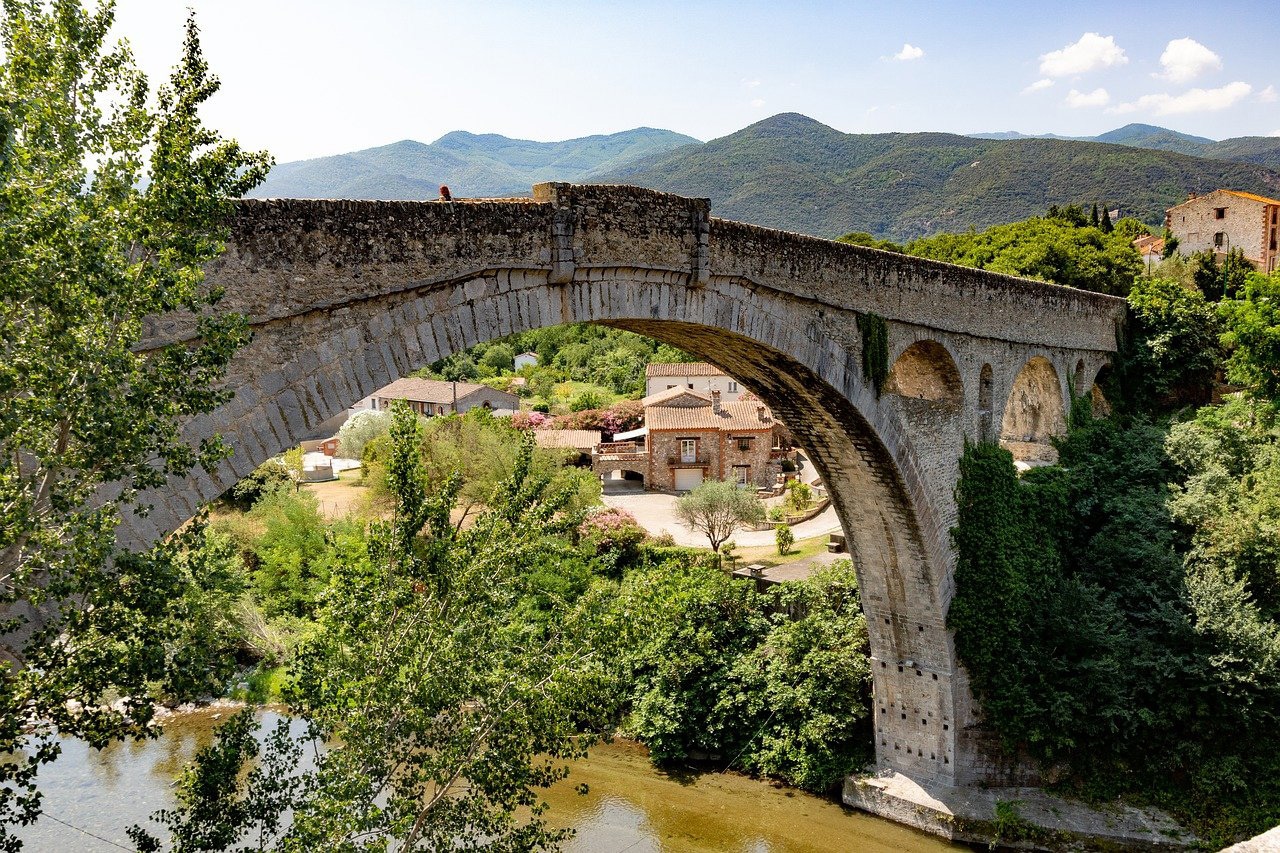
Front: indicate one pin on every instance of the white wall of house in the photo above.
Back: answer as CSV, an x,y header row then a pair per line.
x,y
730,389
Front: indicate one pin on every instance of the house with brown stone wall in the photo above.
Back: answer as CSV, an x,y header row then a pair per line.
x,y
1227,219
693,436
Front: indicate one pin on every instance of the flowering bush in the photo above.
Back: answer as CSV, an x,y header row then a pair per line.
x,y
529,420
610,529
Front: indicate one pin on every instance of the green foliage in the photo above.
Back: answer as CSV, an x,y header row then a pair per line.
x,y
713,676
360,429
90,417
452,711
1252,334
794,173
784,539
267,477
612,359
293,554
1061,248
1170,354
875,349
799,495
1126,635
1131,228
584,401
1216,281
716,508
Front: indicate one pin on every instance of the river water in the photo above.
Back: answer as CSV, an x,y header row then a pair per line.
x,y
629,806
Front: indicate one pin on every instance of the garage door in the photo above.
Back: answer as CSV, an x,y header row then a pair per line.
x,y
688,478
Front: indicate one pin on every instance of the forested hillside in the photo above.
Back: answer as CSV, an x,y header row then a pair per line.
x,y
792,172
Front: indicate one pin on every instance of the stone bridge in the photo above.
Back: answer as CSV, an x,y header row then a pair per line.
x,y
345,296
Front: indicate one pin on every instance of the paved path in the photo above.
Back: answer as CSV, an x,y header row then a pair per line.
x,y
656,513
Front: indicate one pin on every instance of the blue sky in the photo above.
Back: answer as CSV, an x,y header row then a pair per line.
x,y
305,79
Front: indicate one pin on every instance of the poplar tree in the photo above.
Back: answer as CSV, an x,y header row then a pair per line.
x,y
111,199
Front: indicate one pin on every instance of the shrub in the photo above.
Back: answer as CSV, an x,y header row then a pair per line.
x,y
785,539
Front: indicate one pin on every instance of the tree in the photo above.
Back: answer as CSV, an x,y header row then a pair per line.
x,y
450,710
360,429
1252,334
292,462
717,508
1093,216
89,416
1105,224
784,539
1171,352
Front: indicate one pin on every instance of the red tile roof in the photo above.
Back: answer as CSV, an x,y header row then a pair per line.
x,y
692,368
732,417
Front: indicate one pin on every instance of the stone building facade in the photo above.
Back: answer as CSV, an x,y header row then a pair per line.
x,y
1226,219
694,437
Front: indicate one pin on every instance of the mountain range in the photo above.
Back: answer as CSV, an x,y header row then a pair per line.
x,y
1261,150
792,172
477,165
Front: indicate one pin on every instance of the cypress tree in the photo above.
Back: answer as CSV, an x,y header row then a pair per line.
x,y
1093,217
1106,225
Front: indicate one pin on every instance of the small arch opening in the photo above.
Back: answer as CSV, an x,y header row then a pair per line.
x,y
986,383
1034,414
926,371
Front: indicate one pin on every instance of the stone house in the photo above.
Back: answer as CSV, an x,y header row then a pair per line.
x,y
690,436
431,397
694,376
1224,220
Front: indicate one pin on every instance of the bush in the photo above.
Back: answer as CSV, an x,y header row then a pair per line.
x,y
788,466
776,513
799,495
359,430
785,539
586,400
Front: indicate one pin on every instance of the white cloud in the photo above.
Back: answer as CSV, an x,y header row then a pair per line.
x,y
1096,98
1038,86
1184,60
750,84
757,103
908,53
1268,95
1090,53
1191,101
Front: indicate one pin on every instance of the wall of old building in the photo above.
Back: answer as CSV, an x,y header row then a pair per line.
x,y
1244,225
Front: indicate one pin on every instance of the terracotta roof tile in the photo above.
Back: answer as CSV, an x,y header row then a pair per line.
x,y
671,394
574,439
733,417
692,368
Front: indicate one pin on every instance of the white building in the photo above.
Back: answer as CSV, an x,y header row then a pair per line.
x,y
694,376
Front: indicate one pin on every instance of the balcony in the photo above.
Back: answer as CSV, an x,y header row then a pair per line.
x,y
699,460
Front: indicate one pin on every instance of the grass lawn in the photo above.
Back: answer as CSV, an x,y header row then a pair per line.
x,y
768,554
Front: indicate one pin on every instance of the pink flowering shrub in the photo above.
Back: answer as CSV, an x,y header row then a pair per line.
x,y
610,529
529,420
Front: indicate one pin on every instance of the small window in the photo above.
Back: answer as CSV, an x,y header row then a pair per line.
x,y
690,386
744,443
733,385
1218,238
1219,213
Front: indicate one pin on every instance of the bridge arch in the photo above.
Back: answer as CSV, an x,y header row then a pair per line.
x,y
344,297
1034,413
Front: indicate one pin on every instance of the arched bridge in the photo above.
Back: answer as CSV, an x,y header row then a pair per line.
x,y
345,296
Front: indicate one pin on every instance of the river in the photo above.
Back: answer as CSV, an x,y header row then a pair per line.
x,y
629,805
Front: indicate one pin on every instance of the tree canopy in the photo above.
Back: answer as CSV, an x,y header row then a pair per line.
x,y
112,200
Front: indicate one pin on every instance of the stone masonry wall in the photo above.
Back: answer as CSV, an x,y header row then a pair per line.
x,y
344,297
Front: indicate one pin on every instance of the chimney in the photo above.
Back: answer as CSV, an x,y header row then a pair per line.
x,y
715,402
760,410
